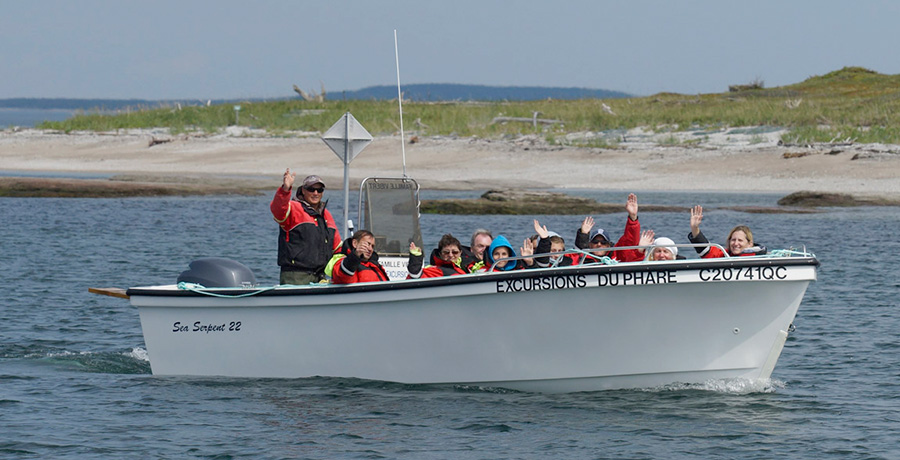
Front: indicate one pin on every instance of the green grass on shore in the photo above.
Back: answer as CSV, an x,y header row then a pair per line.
x,y
851,104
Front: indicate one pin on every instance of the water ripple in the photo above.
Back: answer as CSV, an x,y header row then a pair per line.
x,y
74,371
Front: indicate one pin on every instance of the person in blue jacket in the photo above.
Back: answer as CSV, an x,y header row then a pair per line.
x,y
500,248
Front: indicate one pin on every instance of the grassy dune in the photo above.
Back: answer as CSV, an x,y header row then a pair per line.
x,y
852,104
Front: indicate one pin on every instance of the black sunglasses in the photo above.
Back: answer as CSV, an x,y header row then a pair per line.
x,y
315,189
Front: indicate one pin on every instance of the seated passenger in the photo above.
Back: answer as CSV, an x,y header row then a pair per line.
x,y
599,242
445,259
481,240
550,242
357,261
473,256
501,249
739,241
663,249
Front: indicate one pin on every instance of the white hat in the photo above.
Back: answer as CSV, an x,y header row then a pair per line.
x,y
666,243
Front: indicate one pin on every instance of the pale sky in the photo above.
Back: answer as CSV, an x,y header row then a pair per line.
x,y
226,49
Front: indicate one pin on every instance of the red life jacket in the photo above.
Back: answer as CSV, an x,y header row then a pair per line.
x,y
366,271
307,238
442,268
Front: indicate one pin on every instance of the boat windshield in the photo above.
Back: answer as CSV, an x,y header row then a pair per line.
x,y
389,208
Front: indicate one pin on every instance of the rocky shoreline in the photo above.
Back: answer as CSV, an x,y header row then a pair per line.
x,y
725,160
496,202
528,202
119,187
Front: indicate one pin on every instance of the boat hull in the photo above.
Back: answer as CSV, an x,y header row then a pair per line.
x,y
555,330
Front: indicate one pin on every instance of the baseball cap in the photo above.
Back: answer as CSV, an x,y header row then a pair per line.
x,y
600,233
312,180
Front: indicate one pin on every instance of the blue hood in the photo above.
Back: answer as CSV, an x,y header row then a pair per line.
x,y
499,241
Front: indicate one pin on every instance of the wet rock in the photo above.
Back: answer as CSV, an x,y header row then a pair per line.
x,y
530,202
771,210
108,188
822,199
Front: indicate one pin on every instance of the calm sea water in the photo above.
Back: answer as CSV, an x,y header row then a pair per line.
x,y
75,381
27,118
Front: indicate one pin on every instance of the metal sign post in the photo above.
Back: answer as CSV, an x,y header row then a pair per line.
x,y
347,138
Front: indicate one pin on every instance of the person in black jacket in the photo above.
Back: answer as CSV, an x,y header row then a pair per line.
x,y
307,235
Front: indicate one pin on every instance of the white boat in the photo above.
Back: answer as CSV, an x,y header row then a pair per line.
x,y
566,329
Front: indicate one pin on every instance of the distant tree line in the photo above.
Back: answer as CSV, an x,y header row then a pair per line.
x,y
414,92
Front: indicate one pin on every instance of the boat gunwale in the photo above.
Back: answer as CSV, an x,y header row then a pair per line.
x,y
330,289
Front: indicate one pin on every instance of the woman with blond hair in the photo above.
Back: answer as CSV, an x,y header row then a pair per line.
x,y
739,242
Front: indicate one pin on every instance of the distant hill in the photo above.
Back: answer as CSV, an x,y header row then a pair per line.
x,y
107,104
457,92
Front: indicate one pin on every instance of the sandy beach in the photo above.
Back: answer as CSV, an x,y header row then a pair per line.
x,y
729,160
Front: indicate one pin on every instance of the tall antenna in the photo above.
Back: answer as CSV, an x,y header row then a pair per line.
x,y
400,102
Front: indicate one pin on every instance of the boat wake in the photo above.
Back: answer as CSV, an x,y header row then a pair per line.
x,y
134,361
727,386
483,389
130,362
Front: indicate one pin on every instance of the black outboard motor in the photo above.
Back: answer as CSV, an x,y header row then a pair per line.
x,y
218,272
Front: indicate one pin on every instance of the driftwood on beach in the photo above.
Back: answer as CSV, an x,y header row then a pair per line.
x,y
533,120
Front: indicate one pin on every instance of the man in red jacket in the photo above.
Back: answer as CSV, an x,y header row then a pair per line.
x,y
308,236
360,262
